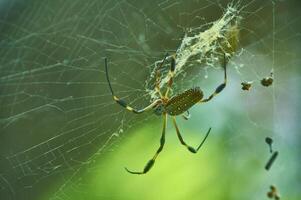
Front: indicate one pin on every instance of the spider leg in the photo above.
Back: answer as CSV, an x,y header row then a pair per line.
x,y
122,102
221,86
171,74
151,162
191,149
157,84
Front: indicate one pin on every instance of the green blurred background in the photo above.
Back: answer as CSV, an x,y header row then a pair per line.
x,y
62,136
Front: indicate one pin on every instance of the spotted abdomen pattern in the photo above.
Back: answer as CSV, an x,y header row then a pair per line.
x,y
182,102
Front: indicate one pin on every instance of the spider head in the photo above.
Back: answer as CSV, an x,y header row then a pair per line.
x,y
159,109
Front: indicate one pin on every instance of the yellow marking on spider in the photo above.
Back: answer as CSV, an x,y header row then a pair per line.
x,y
129,108
171,74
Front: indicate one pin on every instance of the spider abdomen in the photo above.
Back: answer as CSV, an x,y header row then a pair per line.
x,y
182,102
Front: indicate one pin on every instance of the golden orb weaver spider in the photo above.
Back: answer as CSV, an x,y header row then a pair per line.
x,y
173,106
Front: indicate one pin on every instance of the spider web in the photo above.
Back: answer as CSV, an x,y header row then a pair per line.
x,y
57,116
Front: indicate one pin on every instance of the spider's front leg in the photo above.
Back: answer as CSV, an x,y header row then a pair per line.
x,y
158,76
221,86
122,102
171,74
151,162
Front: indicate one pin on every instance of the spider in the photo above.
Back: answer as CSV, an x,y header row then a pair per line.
x,y
173,106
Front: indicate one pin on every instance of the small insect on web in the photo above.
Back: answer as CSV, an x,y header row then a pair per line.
x,y
267,81
246,85
273,193
173,106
